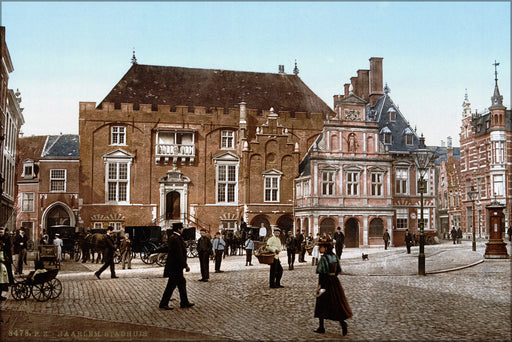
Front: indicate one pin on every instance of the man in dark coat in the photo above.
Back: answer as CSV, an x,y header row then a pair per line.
x,y
301,245
204,250
176,262
108,255
408,241
459,235
20,248
509,232
339,237
453,233
386,239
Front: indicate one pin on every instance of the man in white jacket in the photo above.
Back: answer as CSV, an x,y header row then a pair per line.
x,y
276,270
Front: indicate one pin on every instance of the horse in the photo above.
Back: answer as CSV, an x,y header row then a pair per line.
x,y
92,243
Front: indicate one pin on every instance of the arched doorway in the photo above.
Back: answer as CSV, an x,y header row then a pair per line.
x,y
327,227
376,228
352,233
285,223
172,205
58,216
306,227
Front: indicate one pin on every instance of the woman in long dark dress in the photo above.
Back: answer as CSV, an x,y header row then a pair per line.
x,y
331,302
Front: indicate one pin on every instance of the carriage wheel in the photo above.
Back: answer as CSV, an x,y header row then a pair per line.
x,y
40,292
20,291
192,250
54,288
161,259
146,252
117,256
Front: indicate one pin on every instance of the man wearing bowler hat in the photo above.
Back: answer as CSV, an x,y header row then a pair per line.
x,y
176,262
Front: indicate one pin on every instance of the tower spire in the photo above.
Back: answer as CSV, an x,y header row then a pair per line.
x,y
496,99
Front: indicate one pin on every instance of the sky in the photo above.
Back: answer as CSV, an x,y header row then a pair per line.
x,y
67,52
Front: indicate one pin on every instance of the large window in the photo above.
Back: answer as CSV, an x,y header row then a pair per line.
x,y
117,181
58,180
271,188
402,218
352,183
227,182
306,188
401,181
228,140
376,186
328,183
498,185
27,202
118,135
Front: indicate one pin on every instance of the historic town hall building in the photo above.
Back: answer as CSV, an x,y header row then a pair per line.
x,y
359,174
200,146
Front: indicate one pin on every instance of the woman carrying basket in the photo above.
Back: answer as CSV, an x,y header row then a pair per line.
x,y
331,302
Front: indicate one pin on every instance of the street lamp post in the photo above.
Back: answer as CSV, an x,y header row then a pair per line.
x,y
472,197
422,157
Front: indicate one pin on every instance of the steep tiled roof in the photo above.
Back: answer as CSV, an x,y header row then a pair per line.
x,y
177,86
29,148
398,127
61,146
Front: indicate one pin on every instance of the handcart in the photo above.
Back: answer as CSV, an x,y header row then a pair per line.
x,y
49,253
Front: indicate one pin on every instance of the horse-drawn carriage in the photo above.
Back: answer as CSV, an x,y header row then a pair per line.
x,y
145,240
93,242
159,254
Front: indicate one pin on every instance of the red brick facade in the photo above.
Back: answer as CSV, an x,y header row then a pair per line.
x,y
200,164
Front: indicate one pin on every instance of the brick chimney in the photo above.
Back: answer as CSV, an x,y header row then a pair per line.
x,y
376,81
281,69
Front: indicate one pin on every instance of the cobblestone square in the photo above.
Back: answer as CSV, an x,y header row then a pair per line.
x,y
389,300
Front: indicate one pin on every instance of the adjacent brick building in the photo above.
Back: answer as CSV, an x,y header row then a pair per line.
x,y
200,146
359,174
485,163
47,179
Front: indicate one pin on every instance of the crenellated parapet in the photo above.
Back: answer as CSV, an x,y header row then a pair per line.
x,y
197,114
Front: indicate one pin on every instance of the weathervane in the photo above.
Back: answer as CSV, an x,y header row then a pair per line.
x,y
496,71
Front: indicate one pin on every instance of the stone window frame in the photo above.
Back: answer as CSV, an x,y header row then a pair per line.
x,y
404,180
56,179
353,181
377,183
118,133
27,203
328,182
227,139
271,188
117,181
226,178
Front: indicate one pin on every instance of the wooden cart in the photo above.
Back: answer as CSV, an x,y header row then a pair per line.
x,y
48,253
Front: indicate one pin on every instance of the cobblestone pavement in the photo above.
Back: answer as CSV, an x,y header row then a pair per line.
x,y
389,300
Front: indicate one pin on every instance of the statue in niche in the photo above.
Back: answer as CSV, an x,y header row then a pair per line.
x,y
352,143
